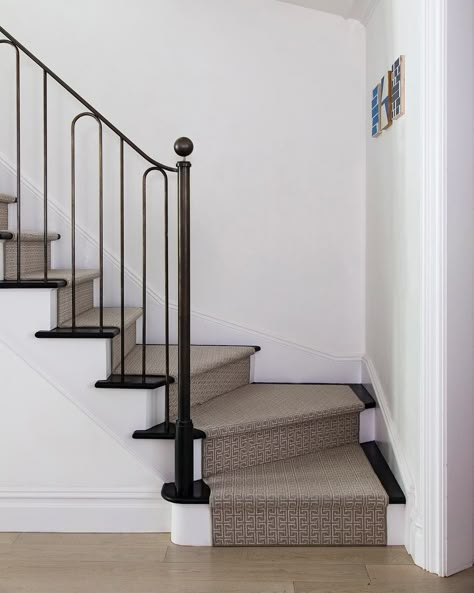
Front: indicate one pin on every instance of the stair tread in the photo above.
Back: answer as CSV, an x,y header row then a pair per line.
x,y
112,317
258,406
203,358
63,274
341,476
7,199
27,236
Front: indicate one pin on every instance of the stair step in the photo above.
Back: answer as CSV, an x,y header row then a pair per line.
x,y
163,432
32,283
112,317
78,332
63,275
329,497
58,278
118,381
262,423
87,324
31,249
214,369
28,236
203,358
7,199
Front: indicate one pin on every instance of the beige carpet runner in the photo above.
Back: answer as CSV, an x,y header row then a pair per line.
x,y
285,468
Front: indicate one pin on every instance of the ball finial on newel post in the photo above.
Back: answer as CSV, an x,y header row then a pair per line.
x,y
183,147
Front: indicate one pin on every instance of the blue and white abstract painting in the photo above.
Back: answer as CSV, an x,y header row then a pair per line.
x,y
398,87
388,98
376,129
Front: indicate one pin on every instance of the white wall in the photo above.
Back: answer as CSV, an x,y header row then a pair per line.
x,y
420,273
394,162
272,95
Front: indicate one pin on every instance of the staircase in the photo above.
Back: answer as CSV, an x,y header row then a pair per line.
x,y
254,463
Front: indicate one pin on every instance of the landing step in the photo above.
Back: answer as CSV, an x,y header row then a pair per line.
x,y
384,473
27,283
200,495
329,497
161,431
132,382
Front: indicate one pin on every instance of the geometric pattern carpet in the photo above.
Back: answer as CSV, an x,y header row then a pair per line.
x,y
285,467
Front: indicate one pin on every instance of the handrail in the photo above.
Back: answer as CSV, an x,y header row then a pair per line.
x,y
184,489
87,104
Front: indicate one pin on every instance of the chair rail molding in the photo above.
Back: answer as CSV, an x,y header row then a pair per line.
x,y
430,550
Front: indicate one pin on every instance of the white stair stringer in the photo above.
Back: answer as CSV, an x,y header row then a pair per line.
x,y
69,474
74,366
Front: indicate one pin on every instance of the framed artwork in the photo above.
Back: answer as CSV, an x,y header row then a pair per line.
x,y
376,129
388,98
398,87
386,101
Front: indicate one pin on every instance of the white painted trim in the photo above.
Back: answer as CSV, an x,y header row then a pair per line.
x,y
84,235
367,426
431,552
100,511
191,524
396,524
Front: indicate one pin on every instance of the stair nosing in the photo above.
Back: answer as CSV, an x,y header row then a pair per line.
x,y
7,199
27,236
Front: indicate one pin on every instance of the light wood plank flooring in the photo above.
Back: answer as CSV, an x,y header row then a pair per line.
x,y
150,563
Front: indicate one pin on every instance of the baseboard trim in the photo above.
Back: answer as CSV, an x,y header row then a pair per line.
x,y
84,512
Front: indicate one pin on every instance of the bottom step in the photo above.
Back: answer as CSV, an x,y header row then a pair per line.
x,y
330,497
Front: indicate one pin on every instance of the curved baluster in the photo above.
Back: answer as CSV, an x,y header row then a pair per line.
x,y
73,216
144,286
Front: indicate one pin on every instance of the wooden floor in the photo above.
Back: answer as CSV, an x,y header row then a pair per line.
x,y
98,563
